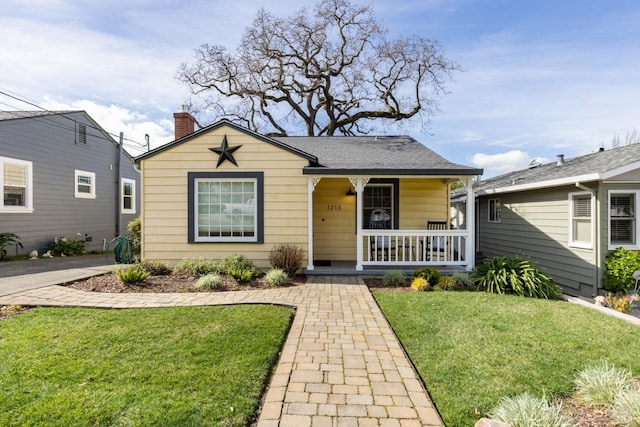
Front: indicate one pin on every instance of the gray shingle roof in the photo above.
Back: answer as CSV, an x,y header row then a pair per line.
x,y
12,115
376,154
588,166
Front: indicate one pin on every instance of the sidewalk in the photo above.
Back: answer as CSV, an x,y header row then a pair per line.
x,y
341,364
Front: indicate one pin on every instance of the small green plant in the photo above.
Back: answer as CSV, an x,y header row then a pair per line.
x,y
527,410
7,239
287,258
156,267
276,277
463,280
210,281
135,231
394,278
239,267
599,385
68,247
432,275
132,274
619,303
503,275
196,267
446,283
620,266
420,284
626,407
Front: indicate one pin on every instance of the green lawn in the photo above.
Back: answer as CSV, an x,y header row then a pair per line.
x,y
473,348
188,366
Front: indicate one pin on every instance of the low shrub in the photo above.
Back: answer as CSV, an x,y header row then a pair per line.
x,y
68,247
527,410
503,275
132,274
394,278
620,266
432,275
239,267
463,280
287,258
446,283
276,277
420,284
156,267
135,231
619,303
210,281
7,239
599,385
196,267
626,407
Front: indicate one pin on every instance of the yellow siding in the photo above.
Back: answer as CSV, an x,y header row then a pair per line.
x,y
422,200
165,198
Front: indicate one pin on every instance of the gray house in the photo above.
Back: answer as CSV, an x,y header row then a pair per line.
x,y
566,216
61,174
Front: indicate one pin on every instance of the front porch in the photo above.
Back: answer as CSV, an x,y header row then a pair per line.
x,y
348,268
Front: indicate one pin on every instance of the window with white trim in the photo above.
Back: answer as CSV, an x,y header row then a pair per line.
x,y
581,220
225,207
85,184
16,180
128,194
623,219
495,207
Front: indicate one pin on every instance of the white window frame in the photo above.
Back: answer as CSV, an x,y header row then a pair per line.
x,y
572,218
123,196
496,209
92,189
636,235
233,207
28,198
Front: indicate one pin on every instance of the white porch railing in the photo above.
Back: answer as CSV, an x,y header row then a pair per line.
x,y
414,247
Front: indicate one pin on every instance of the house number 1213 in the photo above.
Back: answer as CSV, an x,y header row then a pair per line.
x,y
335,207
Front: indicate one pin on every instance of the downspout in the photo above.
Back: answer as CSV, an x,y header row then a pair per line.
x,y
118,185
595,230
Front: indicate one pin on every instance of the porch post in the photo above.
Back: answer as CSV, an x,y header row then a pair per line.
x,y
470,254
359,184
311,185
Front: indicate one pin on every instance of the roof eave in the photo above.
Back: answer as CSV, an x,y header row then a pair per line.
x,y
390,171
541,184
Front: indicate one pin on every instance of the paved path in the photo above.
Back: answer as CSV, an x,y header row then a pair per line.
x,y
341,365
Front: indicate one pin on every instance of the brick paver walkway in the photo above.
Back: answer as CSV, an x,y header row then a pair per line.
x,y
341,364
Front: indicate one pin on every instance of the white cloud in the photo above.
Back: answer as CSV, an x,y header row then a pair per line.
x,y
503,162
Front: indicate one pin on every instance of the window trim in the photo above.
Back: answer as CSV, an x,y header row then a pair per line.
x,y
132,182
571,202
28,206
92,189
191,208
497,212
636,195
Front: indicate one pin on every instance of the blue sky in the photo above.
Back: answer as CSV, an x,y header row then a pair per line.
x,y
540,78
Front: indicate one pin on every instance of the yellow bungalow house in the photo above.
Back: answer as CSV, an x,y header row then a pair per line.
x,y
355,203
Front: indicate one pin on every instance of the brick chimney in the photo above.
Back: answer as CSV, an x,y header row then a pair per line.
x,y
184,124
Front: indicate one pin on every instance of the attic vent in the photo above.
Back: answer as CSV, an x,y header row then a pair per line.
x,y
82,134
534,163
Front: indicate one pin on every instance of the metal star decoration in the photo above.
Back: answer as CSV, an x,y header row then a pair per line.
x,y
225,152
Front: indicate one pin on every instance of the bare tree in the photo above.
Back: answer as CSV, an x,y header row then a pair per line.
x,y
632,137
321,73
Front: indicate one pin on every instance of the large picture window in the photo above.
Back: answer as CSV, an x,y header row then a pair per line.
x,y
16,180
581,220
623,219
225,207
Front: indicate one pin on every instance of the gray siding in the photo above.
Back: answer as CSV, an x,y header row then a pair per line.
x,y
50,143
535,224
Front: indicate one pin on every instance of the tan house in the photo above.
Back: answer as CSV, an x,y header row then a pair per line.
x,y
352,203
